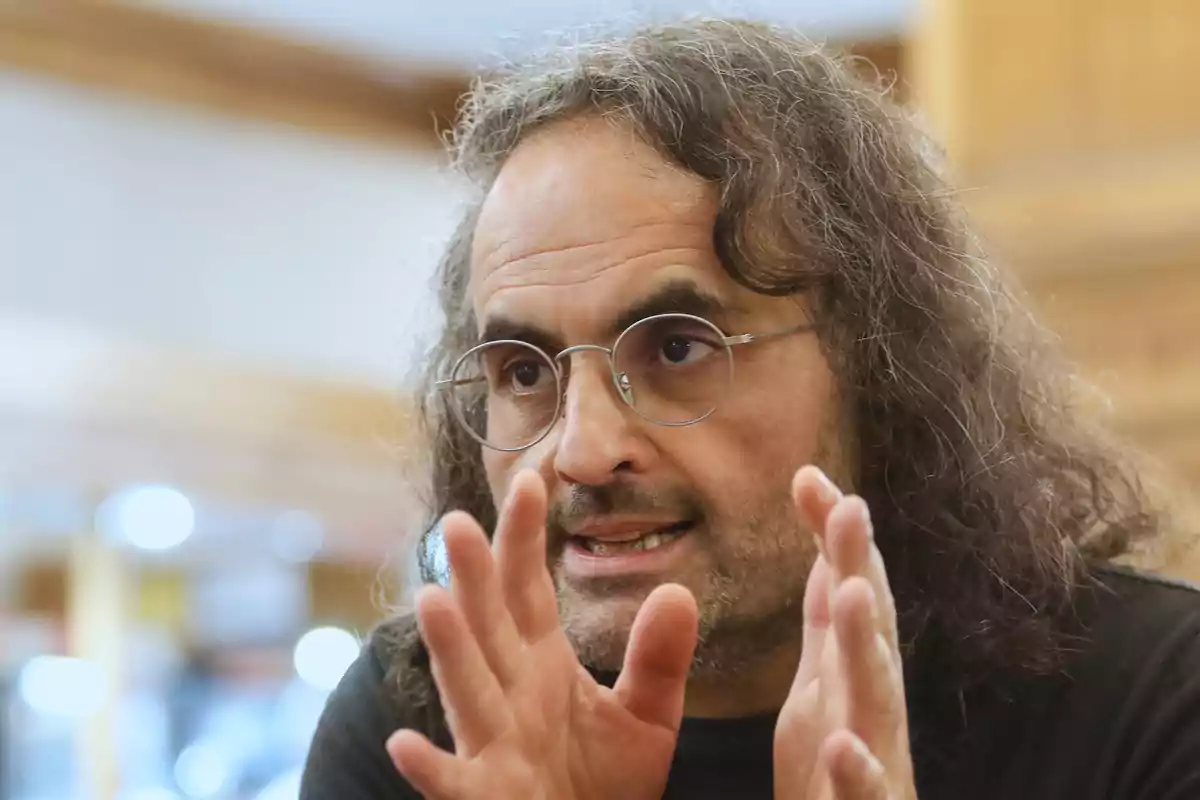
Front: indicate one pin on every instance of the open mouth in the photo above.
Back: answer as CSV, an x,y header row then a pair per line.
x,y
652,540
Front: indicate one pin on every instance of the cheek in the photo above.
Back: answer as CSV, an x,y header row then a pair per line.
x,y
795,426
767,435
500,469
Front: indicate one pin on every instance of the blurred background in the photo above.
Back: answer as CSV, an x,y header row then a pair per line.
x,y
218,220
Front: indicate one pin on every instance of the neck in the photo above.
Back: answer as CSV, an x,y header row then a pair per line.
x,y
760,689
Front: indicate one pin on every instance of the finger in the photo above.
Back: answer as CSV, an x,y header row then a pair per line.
x,y
798,736
433,772
659,657
521,558
475,585
852,551
816,623
854,772
874,694
815,496
476,709
848,537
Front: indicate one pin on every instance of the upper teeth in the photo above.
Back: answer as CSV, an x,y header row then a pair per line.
x,y
647,542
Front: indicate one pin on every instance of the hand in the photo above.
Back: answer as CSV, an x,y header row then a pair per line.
x,y
528,720
843,731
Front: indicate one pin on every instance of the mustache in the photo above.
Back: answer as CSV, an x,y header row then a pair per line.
x,y
587,502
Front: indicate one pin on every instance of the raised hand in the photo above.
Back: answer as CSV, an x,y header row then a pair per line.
x,y
528,720
843,731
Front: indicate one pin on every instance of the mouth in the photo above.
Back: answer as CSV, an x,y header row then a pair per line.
x,y
646,542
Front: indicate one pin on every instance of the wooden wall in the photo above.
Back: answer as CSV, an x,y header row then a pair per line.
x,y
1073,128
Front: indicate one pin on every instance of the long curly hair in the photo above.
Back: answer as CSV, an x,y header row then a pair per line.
x,y
991,490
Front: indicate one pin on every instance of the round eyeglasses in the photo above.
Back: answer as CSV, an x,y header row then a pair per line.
x,y
671,369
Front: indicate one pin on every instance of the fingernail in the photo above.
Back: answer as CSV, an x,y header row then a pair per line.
x,y
828,491
861,749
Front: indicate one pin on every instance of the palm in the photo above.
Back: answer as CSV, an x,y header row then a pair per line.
x,y
528,720
572,738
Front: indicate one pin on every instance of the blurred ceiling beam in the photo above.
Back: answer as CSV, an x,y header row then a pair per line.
x,y
228,69
251,72
76,374
93,413
1110,215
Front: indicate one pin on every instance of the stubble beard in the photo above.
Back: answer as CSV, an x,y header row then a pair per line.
x,y
750,599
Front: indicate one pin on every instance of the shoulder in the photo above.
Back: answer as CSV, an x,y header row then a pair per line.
x,y
1121,720
1136,682
385,689
1124,605
406,678
1135,623
1133,581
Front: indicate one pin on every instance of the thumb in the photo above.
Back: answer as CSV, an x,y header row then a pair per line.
x,y
659,656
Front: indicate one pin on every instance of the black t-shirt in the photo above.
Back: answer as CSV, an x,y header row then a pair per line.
x,y
1122,721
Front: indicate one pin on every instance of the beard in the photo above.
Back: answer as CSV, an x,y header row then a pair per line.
x,y
747,576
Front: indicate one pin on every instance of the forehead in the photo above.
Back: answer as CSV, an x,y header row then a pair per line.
x,y
583,219
549,194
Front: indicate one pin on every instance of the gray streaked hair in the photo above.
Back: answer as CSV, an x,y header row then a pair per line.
x,y
990,491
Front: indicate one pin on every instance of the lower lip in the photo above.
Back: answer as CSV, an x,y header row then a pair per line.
x,y
580,563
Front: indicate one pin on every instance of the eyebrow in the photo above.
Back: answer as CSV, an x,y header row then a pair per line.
x,y
674,297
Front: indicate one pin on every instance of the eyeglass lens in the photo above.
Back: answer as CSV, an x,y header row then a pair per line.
x,y
671,369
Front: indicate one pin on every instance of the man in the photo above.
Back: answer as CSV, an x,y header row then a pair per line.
x,y
717,350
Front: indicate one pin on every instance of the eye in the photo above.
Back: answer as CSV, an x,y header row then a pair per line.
x,y
677,349
526,376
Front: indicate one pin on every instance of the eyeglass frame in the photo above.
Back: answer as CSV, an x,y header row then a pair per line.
x,y
728,341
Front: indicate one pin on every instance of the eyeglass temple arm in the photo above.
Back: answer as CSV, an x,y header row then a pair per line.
x,y
748,338
457,382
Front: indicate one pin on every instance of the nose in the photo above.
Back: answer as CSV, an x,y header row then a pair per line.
x,y
597,437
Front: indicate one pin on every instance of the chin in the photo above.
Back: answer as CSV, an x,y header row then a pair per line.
x,y
598,627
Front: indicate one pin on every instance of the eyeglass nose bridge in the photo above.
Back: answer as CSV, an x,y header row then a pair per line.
x,y
620,379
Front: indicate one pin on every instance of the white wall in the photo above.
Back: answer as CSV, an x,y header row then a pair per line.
x,y
246,240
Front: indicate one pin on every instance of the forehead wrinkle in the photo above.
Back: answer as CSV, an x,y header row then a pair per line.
x,y
627,232
539,269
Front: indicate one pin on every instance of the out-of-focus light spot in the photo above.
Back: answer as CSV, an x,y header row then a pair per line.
x,y
202,770
323,655
297,536
238,727
148,517
61,687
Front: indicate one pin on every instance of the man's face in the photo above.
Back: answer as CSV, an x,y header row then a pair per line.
x,y
585,229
